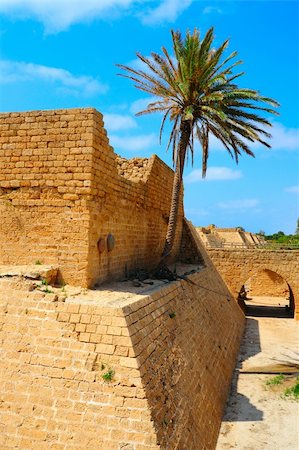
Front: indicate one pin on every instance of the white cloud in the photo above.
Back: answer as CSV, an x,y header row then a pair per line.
x,y
239,204
283,137
13,71
167,11
137,64
58,15
134,143
293,189
116,122
213,174
211,10
141,104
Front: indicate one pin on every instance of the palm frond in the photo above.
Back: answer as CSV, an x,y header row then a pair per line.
x,y
198,85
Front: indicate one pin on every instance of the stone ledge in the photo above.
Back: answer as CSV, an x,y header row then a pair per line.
x,y
32,272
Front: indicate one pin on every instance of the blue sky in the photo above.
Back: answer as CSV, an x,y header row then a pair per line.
x,y
62,54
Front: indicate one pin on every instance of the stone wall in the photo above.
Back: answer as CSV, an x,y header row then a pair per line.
x,y
267,283
231,236
171,351
62,189
237,266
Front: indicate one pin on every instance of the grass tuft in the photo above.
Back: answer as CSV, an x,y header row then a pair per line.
x,y
293,392
276,380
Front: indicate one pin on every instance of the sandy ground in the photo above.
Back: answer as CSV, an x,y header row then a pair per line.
x,y
257,415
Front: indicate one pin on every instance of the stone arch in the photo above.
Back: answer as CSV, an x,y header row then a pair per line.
x,y
236,266
268,290
267,282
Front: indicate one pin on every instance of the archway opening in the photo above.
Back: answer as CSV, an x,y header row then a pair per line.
x,y
267,294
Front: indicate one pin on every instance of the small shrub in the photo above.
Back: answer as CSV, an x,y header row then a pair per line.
x,y
276,380
108,376
293,392
38,263
172,315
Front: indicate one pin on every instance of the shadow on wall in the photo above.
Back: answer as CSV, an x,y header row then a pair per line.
x,y
239,408
251,335
187,371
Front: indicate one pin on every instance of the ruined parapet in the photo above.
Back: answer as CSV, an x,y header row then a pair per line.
x,y
209,238
63,191
135,169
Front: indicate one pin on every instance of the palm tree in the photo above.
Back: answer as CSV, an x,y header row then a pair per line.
x,y
195,90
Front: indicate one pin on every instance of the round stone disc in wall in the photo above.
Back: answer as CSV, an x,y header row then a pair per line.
x,y
110,242
101,245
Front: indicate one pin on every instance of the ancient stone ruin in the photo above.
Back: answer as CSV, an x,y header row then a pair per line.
x,y
214,237
117,366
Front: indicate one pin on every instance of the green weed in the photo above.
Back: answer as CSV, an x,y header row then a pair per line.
x,y
276,380
293,392
48,291
108,376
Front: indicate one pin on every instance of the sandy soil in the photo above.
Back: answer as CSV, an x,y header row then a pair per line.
x,y
257,415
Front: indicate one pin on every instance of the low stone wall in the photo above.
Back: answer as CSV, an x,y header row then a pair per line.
x,y
117,369
236,267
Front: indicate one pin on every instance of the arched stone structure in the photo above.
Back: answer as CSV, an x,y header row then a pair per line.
x,y
237,266
266,282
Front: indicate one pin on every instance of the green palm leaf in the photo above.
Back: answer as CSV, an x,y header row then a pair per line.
x,y
197,93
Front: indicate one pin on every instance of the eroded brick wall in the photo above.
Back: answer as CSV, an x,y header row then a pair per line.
x,y
131,200
45,162
172,351
62,188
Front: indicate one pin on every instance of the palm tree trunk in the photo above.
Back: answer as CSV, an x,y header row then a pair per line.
x,y
185,132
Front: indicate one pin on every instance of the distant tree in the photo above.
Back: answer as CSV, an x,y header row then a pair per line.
x,y
241,228
280,233
281,238
297,228
261,233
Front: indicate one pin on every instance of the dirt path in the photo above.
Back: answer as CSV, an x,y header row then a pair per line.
x,y
258,416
